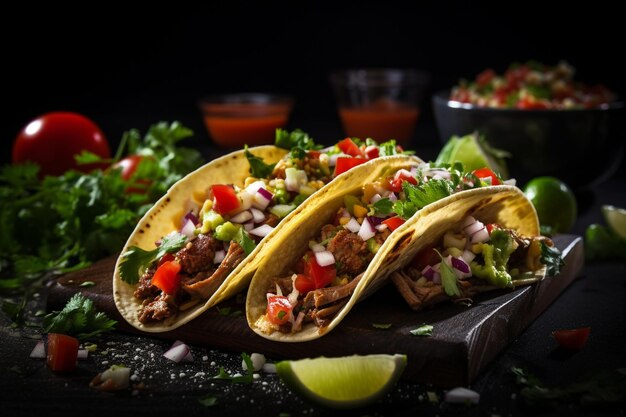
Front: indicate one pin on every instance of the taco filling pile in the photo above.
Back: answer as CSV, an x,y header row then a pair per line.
x,y
191,263
475,257
324,278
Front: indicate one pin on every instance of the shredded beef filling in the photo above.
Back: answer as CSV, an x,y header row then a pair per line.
x,y
351,253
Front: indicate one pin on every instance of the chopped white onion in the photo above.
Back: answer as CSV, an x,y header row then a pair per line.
x,y
316,247
352,225
473,228
82,354
188,229
381,227
39,351
293,295
189,356
366,231
401,173
219,256
324,258
177,353
257,215
468,256
436,278
376,197
511,181
480,236
467,221
257,359
262,231
269,368
392,197
118,375
241,217
262,198
254,187
461,395
246,200
248,226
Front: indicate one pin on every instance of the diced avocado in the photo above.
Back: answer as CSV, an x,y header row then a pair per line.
x,y
490,270
281,196
210,220
226,231
372,245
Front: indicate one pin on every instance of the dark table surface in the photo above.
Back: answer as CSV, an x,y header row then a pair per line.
x,y
595,299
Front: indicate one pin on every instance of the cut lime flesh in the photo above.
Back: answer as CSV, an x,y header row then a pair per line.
x,y
473,153
616,219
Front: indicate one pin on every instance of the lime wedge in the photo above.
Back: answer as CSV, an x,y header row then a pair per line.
x,y
616,219
343,382
474,152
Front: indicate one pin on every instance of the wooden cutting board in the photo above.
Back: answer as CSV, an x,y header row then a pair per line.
x,y
464,340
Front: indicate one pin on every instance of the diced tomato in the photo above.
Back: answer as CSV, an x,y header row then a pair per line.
x,y
528,104
426,256
395,182
304,284
345,163
348,147
572,339
225,199
484,78
166,277
491,226
278,309
372,152
320,275
487,173
314,154
62,352
394,222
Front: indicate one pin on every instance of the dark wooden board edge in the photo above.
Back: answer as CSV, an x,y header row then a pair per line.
x,y
464,342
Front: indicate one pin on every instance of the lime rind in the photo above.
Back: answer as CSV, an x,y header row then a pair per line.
x,y
615,218
474,152
344,382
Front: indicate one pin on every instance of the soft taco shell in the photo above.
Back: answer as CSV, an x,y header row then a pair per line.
x,y
502,204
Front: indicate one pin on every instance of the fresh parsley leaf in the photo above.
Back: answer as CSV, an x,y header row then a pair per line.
x,y
86,157
551,258
382,326
136,259
419,196
383,207
296,141
245,241
208,400
78,318
449,280
424,330
258,168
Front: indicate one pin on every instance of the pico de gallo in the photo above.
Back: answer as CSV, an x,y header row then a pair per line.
x,y
472,258
190,264
531,86
324,278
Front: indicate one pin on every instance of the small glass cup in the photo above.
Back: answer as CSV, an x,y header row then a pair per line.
x,y
379,103
235,120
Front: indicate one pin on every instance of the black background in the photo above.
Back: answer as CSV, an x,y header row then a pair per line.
x,y
128,69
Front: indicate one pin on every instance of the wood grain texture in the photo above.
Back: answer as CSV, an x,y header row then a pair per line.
x,y
464,340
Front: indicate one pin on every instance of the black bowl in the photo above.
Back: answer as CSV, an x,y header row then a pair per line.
x,y
581,147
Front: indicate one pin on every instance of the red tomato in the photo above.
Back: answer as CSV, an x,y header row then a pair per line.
x,y
372,152
572,339
128,166
345,163
304,284
426,256
484,173
278,309
348,147
320,275
485,77
528,104
491,226
225,199
395,182
54,139
62,352
166,277
314,154
394,222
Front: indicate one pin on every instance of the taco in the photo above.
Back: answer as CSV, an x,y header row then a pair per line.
x,y
485,241
343,249
201,242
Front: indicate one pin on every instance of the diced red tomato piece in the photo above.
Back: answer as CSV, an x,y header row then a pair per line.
x,y
572,339
426,256
348,147
304,284
491,226
278,309
225,199
372,152
320,275
394,222
345,163
62,352
166,277
487,173
528,104
314,154
484,78
395,182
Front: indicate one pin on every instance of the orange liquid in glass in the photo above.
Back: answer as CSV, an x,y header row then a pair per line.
x,y
381,121
235,125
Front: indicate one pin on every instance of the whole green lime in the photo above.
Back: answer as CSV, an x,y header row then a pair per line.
x,y
554,201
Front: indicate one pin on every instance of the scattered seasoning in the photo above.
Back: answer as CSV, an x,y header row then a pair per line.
x,y
432,396
382,326
425,330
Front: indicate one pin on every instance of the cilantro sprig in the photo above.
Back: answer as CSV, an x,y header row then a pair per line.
x,y
78,318
135,259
